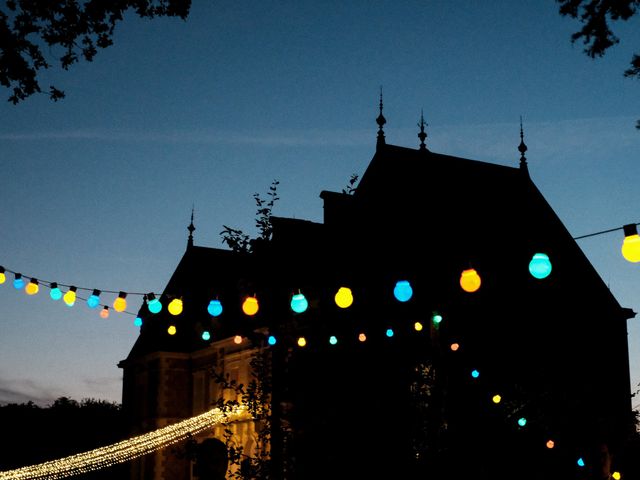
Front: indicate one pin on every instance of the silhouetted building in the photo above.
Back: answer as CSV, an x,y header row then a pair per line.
x,y
399,389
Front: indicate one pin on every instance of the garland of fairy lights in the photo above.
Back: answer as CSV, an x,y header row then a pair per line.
x,y
126,450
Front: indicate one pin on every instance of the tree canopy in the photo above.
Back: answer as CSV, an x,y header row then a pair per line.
x,y
28,30
597,17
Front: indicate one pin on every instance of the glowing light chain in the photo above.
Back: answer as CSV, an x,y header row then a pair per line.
x,y
126,450
470,281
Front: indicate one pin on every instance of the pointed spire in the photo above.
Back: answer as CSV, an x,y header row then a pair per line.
x,y
380,121
522,148
422,135
191,228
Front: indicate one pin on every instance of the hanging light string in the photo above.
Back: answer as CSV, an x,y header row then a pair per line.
x,y
126,450
604,231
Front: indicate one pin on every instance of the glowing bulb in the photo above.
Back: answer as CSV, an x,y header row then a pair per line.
x,y
496,399
70,297
206,336
417,326
616,476
402,291
237,339
455,347
522,421
3,277
104,313
299,303
32,287
389,332
250,306
550,444
475,373
94,299
344,297
362,337
436,318
470,280
302,341
631,244
55,293
153,304
120,303
172,330
333,340
580,462
18,282
271,340
137,322
214,308
540,266
175,307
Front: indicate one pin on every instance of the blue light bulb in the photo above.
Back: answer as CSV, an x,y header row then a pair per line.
x,y
333,340
475,373
94,299
389,332
206,335
214,308
271,340
137,322
403,291
18,283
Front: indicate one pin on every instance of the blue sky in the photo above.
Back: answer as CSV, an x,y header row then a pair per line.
x,y
98,188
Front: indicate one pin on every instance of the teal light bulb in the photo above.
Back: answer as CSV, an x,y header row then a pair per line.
x,y
137,322
55,293
540,266
153,304
271,340
299,303
206,336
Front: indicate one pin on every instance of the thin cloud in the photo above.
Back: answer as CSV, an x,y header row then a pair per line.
x,y
284,138
23,391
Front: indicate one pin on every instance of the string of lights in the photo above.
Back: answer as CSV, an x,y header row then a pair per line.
x,y
126,450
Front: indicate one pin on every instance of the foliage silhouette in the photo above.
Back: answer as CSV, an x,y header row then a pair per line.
x,y
79,27
596,17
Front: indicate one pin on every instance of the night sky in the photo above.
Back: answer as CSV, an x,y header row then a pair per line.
x,y
98,188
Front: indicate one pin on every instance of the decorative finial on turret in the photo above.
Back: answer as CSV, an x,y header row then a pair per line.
x,y
380,121
191,229
422,135
522,148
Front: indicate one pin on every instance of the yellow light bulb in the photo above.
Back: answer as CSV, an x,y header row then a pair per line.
x,y
175,307
302,341
470,280
70,297
631,248
496,399
120,303
250,306
344,297
32,287
172,330
3,276
417,326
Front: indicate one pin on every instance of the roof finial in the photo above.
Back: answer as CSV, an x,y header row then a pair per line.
x,y
522,148
380,121
422,135
191,228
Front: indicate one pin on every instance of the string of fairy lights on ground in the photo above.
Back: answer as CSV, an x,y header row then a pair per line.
x,y
540,267
126,450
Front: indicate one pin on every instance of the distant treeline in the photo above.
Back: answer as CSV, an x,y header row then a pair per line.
x,y
32,434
